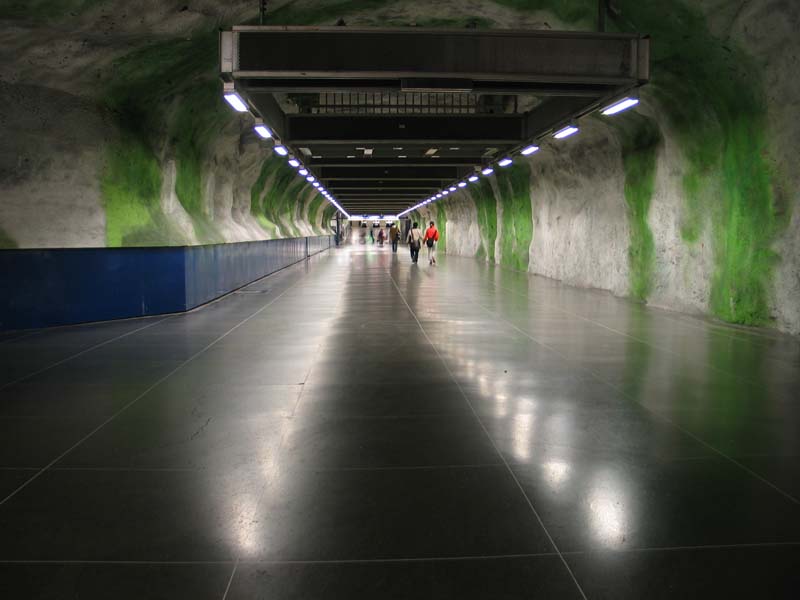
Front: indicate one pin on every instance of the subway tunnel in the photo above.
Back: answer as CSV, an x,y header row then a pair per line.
x,y
223,375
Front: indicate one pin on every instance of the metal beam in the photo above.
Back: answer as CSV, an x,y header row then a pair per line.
x,y
328,129
419,54
388,173
319,86
418,163
393,184
372,196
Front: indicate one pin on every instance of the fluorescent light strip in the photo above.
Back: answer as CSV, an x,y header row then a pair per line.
x,y
303,172
281,150
263,131
462,184
565,132
452,188
488,171
311,178
235,100
620,106
294,162
473,178
529,150
505,162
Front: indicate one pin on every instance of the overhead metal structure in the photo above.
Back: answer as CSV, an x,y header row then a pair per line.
x,y
386,117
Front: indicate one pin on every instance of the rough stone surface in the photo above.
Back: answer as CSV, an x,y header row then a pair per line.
x,y
50,158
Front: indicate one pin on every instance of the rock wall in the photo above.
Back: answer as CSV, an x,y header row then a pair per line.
x,y
115,133
690,202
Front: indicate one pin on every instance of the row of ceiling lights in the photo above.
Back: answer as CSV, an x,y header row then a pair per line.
x,y
565,132
239,105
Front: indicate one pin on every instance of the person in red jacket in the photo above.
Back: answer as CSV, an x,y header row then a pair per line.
x,y
430,239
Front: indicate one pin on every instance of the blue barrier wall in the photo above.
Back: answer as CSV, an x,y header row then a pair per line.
x,y
43,288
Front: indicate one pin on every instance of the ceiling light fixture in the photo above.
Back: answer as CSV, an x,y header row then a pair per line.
x,y
488,171
504,162
620,106
529,150
282,150
262,130
565,132
233,98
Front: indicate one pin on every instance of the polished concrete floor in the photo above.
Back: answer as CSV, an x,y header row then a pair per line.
x,y
358,427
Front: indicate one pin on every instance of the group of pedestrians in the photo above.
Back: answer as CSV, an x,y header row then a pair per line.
x,y
416,238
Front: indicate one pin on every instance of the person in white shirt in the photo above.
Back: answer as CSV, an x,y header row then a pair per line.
x,y
414,242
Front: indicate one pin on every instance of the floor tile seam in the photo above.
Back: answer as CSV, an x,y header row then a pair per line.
x,y
21,336
629,336
491,441
409,559
145,392
450,467
81,353
56,469
611,455
230,580
399,560
333,418
689,548
650,411
115,562
277,561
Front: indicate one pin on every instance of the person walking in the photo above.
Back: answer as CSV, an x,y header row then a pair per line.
x,y
431,238
414,240
394,236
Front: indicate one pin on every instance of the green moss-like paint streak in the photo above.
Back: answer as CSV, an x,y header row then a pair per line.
x,y
711,93
314,214
640,138
515,242
580,12
131,188
200,117
486,206
142,87
6,241
282,189
744,226
441,225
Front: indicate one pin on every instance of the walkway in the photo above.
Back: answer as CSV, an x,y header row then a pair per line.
x,y
356,427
